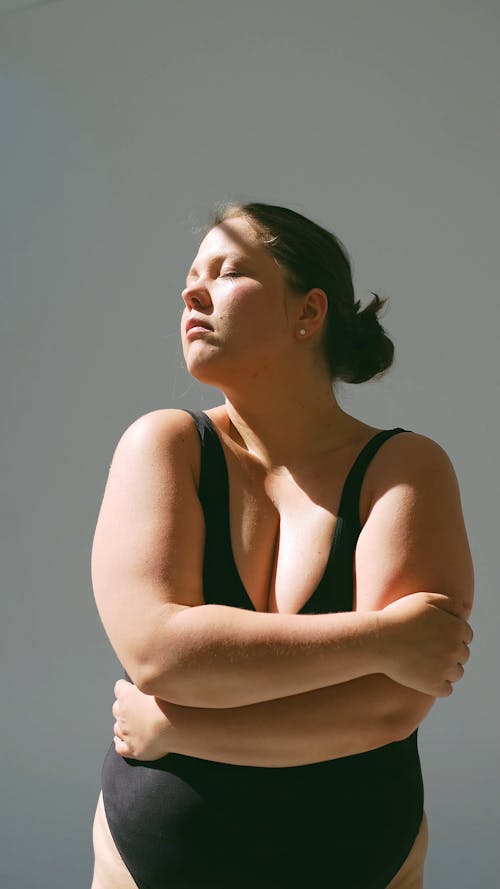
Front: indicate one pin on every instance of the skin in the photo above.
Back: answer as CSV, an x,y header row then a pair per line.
x,y
281,411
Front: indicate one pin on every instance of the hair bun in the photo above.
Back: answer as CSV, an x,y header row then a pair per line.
x,y
368,351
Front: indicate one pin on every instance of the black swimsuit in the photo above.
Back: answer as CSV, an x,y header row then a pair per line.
x,y
346,823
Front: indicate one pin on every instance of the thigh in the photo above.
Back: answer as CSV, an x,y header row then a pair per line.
x,y
110,871
411,874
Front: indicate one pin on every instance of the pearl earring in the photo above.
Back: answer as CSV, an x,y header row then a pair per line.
x,y
302,331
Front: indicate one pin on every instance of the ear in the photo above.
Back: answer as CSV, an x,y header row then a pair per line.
x,y
314,306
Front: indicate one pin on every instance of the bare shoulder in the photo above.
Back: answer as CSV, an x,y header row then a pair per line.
x,y
166,424
162,435
412,459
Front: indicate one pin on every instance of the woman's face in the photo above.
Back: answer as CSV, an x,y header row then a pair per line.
x,y
237,288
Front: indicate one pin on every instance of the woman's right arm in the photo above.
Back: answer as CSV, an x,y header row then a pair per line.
x,y
147,560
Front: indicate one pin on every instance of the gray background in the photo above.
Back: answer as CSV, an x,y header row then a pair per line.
x,y
122,122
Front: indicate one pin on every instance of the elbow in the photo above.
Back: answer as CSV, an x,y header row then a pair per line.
x,y
151,682
405,709
187,691
176,687
146,674
157,668
146,682
141,675
409,717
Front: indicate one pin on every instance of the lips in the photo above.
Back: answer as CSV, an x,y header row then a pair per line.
x,y
197,322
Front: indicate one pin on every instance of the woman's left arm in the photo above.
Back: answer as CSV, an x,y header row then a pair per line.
x,y
413,539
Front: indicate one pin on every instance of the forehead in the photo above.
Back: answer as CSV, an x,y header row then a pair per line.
x,y
233,238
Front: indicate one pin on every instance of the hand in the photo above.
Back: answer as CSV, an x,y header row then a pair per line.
x,y
427,643
141,728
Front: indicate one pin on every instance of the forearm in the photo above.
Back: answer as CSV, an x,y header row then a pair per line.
x,y
321,724
215,656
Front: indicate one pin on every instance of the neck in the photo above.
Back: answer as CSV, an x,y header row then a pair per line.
x,y
283,426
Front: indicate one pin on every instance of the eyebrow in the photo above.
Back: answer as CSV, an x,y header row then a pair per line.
x,y
212,259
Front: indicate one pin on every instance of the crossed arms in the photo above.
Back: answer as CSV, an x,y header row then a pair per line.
x,y
274,689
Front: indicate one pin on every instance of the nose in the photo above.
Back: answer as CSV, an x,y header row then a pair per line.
x,y
195,295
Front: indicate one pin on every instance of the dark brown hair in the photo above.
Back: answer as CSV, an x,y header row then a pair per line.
x,y
356,345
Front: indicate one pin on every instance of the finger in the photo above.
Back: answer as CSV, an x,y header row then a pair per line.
x,y
443,690
438,600
121,747
465,654
457,673
469,634
114,709
445,603
117,730
117,686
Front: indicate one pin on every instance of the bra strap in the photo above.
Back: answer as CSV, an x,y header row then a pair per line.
x,y
349,504
213,471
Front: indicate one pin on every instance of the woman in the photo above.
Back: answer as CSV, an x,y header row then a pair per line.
x,y
286,586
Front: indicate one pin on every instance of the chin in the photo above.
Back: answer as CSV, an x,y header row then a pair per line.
x,y
215,368
207,372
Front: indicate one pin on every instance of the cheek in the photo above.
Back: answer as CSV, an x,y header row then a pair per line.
x,y
250,312
245,322
261,326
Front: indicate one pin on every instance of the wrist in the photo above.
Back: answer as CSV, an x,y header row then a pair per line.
x,y
358,644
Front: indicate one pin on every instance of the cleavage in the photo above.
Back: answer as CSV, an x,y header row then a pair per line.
x,y
281,532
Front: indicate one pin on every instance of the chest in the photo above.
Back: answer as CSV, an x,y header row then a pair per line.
x,y
283,528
